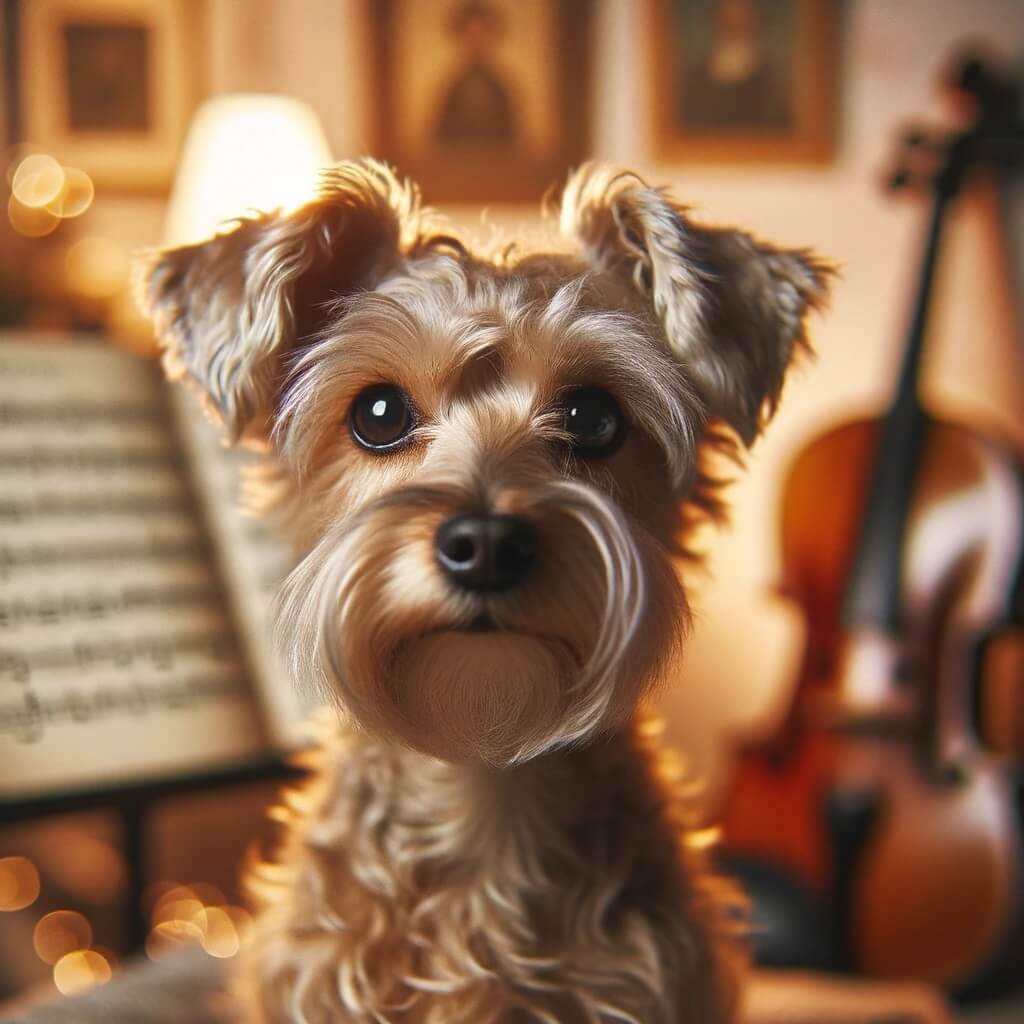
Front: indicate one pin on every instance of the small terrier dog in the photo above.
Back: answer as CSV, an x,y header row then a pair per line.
x,y
490,467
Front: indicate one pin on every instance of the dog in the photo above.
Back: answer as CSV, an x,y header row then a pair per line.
x,y
490,465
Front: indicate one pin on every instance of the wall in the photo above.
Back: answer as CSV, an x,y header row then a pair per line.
x,y
741,654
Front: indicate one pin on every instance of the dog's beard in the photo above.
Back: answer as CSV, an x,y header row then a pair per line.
x,y
493,696
371,620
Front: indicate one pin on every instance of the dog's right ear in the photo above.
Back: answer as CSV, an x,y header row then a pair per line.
x,y
228,311
732,308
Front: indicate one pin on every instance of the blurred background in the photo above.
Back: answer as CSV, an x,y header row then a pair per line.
x,y
128,123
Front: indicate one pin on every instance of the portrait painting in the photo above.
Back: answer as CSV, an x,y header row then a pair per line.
x,y
482,99
107,77
744,79
109,85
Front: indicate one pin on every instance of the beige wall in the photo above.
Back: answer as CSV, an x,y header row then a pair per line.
x,y
741,654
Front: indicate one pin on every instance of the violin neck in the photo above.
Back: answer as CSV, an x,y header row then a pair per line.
x,y
873,593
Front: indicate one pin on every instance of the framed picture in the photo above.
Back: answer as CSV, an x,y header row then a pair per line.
x,y
738,80
109,85
482,99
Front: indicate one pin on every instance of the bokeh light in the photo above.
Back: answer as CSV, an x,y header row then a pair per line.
x,y
59,933
31,221
19,883
80,970
75,197
177,904
194,915
96,873
170,936
96,267
220,937
38,180
43,193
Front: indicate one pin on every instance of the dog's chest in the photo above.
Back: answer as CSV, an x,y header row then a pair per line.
x,y
419,892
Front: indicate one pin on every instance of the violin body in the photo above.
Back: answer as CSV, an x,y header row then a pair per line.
x,y
876,792
877,829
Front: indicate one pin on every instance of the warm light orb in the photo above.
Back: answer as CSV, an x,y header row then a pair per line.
x,y
194,915
220,937
96,268
96,873
59,933
19,883
172,935
38,180
244,153
80,970
75,197
31,221
174,896
207,893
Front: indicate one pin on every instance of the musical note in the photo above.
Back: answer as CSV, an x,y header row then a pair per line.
x,y
35,556
96,605
27,719
82,506
87,459
114,652
75,414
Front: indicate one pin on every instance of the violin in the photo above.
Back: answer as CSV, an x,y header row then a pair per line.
x,y
876,829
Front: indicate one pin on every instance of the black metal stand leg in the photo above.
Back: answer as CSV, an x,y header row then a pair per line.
x,y
133,840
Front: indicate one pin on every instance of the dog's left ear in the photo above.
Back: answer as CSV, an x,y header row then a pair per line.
x,y
732,308
230,310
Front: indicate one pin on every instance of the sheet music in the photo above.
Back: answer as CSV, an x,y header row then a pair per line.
x,y
253,561
117,658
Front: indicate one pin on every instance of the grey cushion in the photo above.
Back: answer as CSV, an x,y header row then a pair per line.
x,y
183,988
189,988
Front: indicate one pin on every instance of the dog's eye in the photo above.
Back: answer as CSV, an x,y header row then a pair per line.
x,y
593,418
381,417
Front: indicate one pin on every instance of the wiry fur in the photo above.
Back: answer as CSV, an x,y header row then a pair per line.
x,y
569,891
492,838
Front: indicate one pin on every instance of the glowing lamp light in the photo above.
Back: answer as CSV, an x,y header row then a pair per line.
x,y
194,915
59,933
244,152
38,180
81,970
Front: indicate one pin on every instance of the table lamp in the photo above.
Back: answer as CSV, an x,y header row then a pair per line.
x,y
244,152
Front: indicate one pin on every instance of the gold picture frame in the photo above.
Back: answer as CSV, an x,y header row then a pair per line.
x,y
109,85
482,100
737,81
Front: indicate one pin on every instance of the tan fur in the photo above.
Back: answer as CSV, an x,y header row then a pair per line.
x,y
494,836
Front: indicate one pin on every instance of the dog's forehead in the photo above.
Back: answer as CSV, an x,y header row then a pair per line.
x,y
454,329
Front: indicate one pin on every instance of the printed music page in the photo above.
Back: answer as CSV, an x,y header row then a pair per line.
x,y
117,657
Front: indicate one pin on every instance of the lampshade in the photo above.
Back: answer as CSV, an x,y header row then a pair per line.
x,y
244,152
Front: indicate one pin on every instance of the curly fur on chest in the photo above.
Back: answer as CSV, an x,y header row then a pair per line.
x,y
567,890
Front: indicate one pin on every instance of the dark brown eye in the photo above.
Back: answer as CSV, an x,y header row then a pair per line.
x,y
381,418
593,418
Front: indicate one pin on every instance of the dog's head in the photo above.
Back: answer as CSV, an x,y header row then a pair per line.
x,y
490,457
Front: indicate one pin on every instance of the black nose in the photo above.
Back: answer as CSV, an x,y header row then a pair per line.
x,y
486,552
